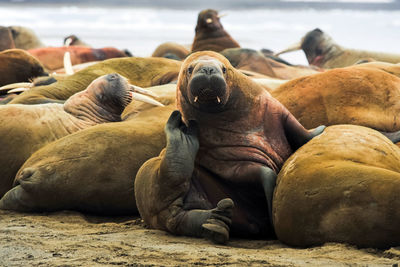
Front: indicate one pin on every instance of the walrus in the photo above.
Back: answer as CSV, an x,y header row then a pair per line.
x,y
210,34
143,72
225,145
171,50
25,38
53,57
6,40
252,60
73,40
323,52
342,186
366,95
93,170
26,128
16,65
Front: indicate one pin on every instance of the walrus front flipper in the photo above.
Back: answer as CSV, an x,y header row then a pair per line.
x,y
296,134
393,136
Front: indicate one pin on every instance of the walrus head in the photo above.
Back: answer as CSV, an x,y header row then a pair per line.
x,y
317,46
208,20
106,98
202,82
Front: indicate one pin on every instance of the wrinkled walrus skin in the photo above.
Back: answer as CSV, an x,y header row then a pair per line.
x,y
26,128
17,65
230,142
93,170
342,186
143,72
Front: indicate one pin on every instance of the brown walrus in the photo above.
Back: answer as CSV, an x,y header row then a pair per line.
x,y
26,128
53,57
25,38
342,186
210,34
366,94
143,72
218,171
6,40
323,52
252,60
171,50
94,169
16,65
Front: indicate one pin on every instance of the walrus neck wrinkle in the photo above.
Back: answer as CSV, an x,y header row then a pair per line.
x,y
88,110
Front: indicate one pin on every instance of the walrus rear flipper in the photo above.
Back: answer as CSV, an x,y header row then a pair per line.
x,y
296,134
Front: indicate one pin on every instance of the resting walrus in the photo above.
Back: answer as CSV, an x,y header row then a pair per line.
x,y
210,34
26,128
94,169
6,40
244,136
323,52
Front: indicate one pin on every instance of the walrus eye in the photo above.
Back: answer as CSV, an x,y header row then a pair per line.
x,y
190,70
223,70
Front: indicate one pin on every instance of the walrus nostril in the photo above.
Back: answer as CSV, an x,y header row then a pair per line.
x,y
208,70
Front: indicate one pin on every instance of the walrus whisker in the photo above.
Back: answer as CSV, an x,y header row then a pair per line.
x,y
18,90
146,99
68,64
15,85
143,91
291,48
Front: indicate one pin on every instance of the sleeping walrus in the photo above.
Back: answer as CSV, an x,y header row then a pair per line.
x,y
225,146
26,128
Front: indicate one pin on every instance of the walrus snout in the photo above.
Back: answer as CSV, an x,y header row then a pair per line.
x,y
208,88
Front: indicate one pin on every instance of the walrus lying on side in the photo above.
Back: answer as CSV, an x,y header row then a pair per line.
x,y
17,65
143,72
52,58
26,128
366,95
342,186
93,170
210,34
323,52
217,173
171,50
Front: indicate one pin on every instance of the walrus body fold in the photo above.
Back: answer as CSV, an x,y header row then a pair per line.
x,y
243,138
93,170
143,72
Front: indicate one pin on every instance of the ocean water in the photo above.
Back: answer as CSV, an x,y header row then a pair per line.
x,y
140,30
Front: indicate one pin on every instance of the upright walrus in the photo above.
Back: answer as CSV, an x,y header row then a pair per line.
x,y
93,170
220,163
323,52
26,128
143,72
210,34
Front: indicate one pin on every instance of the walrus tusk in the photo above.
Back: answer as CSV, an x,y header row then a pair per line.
x,y
15,85
18,90
146,99
143,91
218,99
68,64
68,41
195,99
222,15
209,20
293,47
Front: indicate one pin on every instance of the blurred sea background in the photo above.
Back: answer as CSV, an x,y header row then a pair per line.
x,y
141,25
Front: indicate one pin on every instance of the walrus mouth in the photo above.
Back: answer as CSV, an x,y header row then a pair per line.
x,y
208,93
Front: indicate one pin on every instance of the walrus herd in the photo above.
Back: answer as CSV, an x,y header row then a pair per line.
x,y
225,141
